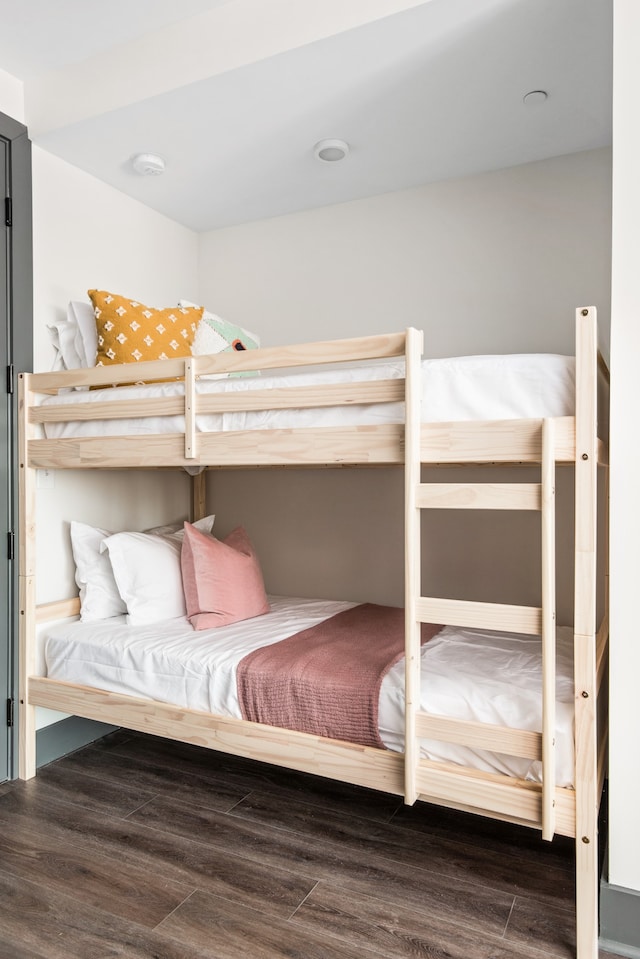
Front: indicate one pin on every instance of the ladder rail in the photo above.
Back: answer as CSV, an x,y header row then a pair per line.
x,y
531,620
548,629
413,394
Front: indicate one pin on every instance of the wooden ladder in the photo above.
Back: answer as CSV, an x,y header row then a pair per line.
x,y
521,619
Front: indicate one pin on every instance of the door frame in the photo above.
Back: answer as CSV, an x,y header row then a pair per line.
x,y
20,356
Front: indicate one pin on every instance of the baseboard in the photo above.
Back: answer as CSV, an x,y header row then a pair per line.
x,y
66,736
619,924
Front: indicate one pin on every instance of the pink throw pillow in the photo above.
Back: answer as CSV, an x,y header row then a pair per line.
x,y
222,579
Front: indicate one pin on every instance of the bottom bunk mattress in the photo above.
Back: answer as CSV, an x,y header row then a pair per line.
x,y
470,674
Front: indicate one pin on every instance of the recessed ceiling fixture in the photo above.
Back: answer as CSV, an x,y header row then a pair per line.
x,y
330,150
148,164
534,97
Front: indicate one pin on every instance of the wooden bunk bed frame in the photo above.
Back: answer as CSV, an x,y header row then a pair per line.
x,y
562,440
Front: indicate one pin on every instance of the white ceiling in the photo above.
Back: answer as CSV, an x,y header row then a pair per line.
x,y
235,93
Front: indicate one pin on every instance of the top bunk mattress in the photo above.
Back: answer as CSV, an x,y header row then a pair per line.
x,y
497,387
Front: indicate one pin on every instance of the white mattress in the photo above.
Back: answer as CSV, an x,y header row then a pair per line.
x,y
466,673
513,386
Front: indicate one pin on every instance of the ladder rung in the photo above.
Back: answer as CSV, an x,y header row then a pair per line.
x,y
479,496
457,612
476,735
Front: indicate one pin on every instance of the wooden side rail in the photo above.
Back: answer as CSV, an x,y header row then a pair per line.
x,y
270,358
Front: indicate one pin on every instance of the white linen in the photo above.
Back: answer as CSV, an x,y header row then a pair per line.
x,y
470,674
514,386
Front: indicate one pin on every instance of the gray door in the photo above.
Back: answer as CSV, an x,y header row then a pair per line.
x,y
6,591
16,352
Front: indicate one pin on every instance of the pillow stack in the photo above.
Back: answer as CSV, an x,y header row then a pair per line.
x,y
114,329
167,572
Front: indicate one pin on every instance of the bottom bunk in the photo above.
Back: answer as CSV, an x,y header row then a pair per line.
x,y
196,686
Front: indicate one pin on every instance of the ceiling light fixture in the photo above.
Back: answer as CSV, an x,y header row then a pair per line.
x,y
535,97
148,164
329,151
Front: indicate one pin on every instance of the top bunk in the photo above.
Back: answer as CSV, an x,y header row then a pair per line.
x,y
332,403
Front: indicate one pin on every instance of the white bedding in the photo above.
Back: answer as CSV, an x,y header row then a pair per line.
x,y
467,673
519,386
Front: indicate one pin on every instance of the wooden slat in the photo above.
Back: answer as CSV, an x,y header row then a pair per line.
x,y
500,797
476,735
107,410
280,357
345,446
457,612
305,397
521,496
453,787
61,609
500,441
279,398
306,354
361,765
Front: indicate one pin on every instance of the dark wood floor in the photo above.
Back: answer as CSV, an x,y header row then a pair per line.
x,y
140,848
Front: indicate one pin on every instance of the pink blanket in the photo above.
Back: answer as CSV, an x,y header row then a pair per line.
x,y
326,679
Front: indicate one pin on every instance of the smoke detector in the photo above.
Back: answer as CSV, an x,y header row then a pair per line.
x,y
331,150
148,164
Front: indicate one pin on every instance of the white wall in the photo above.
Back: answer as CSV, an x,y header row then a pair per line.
x,y
87,234
624,767
492,263
11,96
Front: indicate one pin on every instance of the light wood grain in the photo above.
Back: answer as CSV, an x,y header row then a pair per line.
x,y
548,556
499,441
586,774
198,496
476,735
361,765
502,496
61,609
500,616
344,446
412,560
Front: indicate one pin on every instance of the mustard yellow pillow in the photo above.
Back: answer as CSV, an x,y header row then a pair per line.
x,y
130,332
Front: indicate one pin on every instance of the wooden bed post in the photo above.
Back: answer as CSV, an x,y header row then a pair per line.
x,y
413,586
547,487
199,495
27,559
586,752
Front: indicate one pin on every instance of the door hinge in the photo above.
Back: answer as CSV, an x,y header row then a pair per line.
x,y
11,544
8,211
10,707
10,378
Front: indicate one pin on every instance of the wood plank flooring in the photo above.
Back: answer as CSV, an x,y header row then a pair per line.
x,y
139,848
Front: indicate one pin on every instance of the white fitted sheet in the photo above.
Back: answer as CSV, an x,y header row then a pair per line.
x,y
466,673
512,386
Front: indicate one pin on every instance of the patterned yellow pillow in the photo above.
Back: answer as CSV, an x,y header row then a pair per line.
x,y
129,332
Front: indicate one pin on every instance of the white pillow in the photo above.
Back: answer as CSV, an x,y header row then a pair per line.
x,y
82,315
99,595
75,339
147,572
65,339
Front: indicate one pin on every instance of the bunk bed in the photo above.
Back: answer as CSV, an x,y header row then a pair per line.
x,y
202,419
